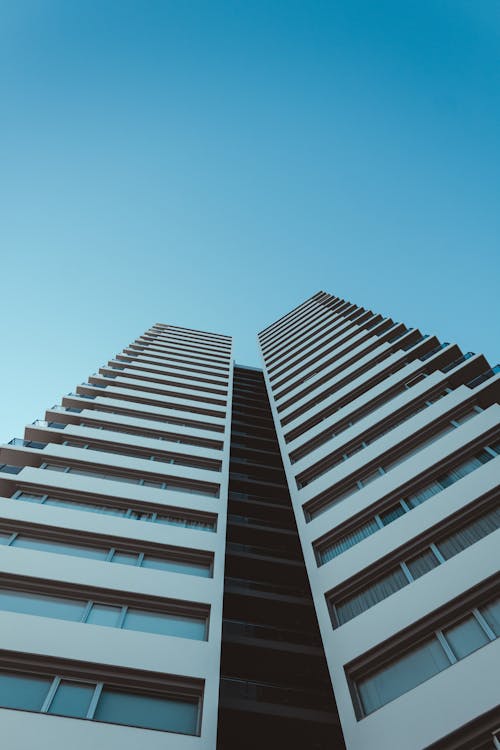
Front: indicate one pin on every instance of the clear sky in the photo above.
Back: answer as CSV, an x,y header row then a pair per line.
x,y
211,164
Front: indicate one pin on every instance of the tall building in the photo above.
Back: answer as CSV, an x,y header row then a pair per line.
x,y
390,443
193,553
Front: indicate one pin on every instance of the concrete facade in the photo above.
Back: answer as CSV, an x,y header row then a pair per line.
x,y
355,395
158,413
118,581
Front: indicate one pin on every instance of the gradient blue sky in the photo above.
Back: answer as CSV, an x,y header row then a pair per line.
x,y
211,164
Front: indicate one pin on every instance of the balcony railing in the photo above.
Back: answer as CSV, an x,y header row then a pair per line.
x,y
280,552
27,443
484,376
399,335
264,692
55,425
271,588
269,633
414,343
268,523
436,349
8,469
457,362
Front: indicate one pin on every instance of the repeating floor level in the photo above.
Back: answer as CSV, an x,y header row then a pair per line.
x,y
198,555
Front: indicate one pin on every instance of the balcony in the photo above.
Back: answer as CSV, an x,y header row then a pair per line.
x,y
268,588
484,376
263,692
457,362
436,349
8,469
277,552
260,522
26,443
43,423
238,628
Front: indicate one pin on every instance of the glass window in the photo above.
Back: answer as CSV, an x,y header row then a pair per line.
x,y
72,699
4,538
165,624
30,498
390,515
115,478
84,473
468,535
107,510
422,563
23,690
465,417
349,540
415,667
104,614
62,503
170,520
371,595
465,468
125,558
175,566
45,606
150,712
491,613
424,494
59,547
465,637
370,477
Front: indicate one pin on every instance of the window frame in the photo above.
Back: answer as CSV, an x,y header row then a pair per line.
x,y
385,653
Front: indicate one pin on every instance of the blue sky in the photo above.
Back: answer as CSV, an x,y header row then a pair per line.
x,y
211,164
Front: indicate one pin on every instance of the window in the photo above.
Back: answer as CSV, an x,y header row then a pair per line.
x,y
328,550
97,701
158,622
39,604
172,623
390,515
72,699
465,637
415,667
201,524
58,547
175,566
349,540
491,613
371,595
104,614
320,505
150,712
192,489
374,687
461,539
23,691
345,607
422,563
190,565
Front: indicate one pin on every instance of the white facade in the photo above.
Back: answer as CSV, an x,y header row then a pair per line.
x,y
358,397
150,437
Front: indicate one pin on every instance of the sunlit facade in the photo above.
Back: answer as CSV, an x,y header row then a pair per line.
x,y
390,442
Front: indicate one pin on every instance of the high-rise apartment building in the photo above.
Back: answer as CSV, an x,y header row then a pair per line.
x,y
194,552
